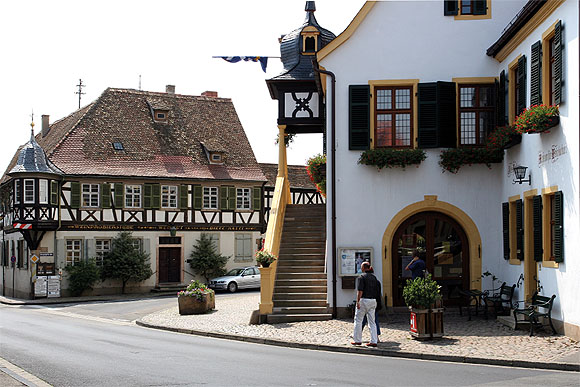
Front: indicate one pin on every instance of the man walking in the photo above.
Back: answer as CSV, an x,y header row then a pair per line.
x,y
367,288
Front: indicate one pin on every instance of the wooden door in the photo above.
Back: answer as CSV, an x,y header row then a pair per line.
x,y
169,264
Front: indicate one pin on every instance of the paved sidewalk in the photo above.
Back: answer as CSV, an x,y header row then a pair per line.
x,y
476,341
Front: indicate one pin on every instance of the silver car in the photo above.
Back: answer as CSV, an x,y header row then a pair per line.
x,y
240,278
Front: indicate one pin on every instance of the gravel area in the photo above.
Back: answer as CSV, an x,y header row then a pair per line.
x,y
477,338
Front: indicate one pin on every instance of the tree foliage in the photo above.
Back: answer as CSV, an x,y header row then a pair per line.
x,y
82,276
125,261
206,260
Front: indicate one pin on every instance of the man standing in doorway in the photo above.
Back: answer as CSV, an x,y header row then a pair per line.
x,y
367,287
417,265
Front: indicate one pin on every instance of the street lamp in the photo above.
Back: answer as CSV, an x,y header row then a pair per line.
x,y
520,172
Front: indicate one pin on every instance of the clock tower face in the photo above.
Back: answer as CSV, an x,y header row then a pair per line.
x,y
301,105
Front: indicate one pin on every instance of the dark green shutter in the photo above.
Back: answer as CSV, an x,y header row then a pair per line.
x,y
437,115
450,7
257,198
479,7
505,213
536,74
359,117
231,198
501,89
197,197
537,232
106,195
520,229
184,196
558,217
147,196
558,64
223,197
75,194
521,91
119,195
54,192
155,196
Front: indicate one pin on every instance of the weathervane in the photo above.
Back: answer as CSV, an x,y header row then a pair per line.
x,y
32,123
80,92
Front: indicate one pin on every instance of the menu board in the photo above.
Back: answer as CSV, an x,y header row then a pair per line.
x,y
351,260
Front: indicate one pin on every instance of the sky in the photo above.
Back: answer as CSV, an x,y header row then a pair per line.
x,y
47,46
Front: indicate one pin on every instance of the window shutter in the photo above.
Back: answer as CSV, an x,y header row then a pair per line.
x,y
521,85
359,120
558,63
479,7
505,212
106,195
559,229
147,188
231,198
223,197
75,194
536,74
257,198
197,197
520,229
450,7
155,196
501,88
437,114
119,195
184,196
54,192
537,232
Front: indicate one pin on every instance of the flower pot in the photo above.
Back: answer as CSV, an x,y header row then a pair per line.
x,y
265,264
193,305
514,140
548,124
426,323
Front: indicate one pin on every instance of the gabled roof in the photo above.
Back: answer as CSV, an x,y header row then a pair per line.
x,y
82,143
297,176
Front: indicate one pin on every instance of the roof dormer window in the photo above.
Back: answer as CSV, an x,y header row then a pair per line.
x,y
118,146
310,40
216,158
160,115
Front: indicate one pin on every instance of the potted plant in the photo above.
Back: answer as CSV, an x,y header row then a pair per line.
x,y
537,119
316,169
504,137
197,298
389,158
265,258
423,297
452,159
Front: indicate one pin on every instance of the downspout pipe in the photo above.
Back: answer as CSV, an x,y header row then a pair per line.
x,y
333,185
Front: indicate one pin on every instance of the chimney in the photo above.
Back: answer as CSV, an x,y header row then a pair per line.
x,y
45,124
210,94
170,89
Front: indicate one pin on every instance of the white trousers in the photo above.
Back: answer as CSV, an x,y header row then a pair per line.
x,y
367,307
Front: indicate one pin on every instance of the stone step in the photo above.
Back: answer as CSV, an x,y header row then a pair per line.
x,y
300,310
300,269
287,261
300,303
302,256
305,243
285,318
299,296
300,289
281,282
304,275
301,249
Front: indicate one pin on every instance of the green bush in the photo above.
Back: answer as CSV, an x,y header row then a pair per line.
x,y
389,158
421,292
452,159
82,276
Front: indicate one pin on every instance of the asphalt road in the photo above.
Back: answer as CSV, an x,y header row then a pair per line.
x,y
80,345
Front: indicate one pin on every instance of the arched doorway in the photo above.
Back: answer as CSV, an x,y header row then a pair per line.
x,y
446,251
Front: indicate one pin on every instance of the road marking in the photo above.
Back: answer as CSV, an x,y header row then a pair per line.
x,y
21,375
82,316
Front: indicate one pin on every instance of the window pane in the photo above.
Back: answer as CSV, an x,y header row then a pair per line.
x,y
384,99
43,191
485,125
468,128
384,130
403,99
485,96
467,97
403,129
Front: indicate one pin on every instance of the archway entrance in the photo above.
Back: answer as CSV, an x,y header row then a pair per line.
x,y
446,251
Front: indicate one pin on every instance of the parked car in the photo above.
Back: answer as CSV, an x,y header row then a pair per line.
x,y
240,278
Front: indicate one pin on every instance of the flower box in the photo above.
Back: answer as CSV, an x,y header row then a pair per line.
x,y
537,119
389,158
514,140
193,305
452,159
548,124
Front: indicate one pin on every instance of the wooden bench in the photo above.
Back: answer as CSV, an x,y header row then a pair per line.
x,y
500,299
541,306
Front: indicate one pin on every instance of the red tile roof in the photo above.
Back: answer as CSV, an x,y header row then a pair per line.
x,y
296,174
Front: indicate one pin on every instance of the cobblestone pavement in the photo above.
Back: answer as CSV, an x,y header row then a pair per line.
x,y
477,338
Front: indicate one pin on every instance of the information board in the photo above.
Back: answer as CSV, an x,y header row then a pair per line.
x,y
40,286
351,259
53,286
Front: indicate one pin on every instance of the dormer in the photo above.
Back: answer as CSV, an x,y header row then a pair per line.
x,y
310,40
214,155
160,115
159,109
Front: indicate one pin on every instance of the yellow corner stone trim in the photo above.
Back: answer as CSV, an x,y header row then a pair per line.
x,y
431,203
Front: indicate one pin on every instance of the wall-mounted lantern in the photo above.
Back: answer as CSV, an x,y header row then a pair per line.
x,y
172,231
520,172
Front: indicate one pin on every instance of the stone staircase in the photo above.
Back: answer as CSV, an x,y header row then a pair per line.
x,y
300,287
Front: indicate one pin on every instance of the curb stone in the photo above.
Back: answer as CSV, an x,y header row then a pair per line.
x,y
373,352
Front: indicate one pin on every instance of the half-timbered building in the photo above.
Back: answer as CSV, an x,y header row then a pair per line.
x,y
164,166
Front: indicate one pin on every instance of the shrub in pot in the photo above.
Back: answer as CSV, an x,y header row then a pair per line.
x,y
265,258
197,298
423,296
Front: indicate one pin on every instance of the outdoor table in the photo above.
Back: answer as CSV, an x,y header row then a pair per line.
x,y
473,295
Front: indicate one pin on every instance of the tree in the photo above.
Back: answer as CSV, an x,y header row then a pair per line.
x,y
205,259
125,261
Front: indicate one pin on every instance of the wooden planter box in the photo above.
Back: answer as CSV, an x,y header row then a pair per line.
x,y
191,305
426,323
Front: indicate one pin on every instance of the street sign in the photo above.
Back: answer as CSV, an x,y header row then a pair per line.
x,y
34,258
13,259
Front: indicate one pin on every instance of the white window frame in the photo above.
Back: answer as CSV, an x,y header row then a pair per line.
x,y
73,251
168,196
138,243
27,190
244,198
247,254
133,195
43,191
210,198
90,197
17,191
102,246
